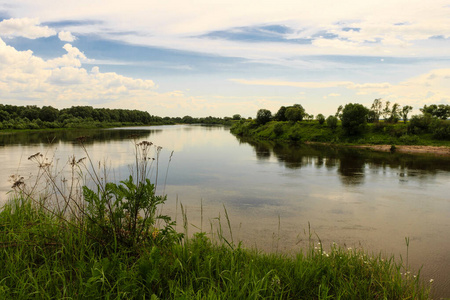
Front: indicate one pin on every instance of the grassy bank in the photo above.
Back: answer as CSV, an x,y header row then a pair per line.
x,y
74,239
45,257
312,131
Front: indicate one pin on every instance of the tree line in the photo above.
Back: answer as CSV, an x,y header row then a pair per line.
x,y
354,117
34,117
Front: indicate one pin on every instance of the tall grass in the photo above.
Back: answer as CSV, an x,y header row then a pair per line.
x,y
109,241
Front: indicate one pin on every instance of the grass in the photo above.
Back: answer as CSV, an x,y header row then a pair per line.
x,y
46,258
312,131
93,247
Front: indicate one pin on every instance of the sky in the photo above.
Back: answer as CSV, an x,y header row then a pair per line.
x,y
220,58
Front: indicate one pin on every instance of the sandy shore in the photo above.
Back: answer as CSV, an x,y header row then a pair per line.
x,y
434,150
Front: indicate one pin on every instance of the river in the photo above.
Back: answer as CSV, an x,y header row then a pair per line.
x,y
273,192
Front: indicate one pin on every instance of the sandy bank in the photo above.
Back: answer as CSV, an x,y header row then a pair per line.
x,y
434,150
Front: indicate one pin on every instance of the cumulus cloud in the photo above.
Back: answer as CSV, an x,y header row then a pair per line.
x,y
24,27
63,81
66,36
24,75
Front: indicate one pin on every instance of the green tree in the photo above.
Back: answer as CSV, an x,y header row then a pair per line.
x,y
31,112
395,113
440,111
263,116
48,114
280,115
320,118
354,118
4,116
405,111
294,114
332,122
386,110
338,113
376,109
443,112
429,109
237,117
187,120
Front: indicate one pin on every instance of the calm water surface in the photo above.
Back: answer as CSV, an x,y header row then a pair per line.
x,y
272,191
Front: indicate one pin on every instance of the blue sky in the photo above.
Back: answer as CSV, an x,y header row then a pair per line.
x,y
219,58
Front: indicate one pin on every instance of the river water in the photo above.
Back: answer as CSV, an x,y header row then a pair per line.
x,y
273,192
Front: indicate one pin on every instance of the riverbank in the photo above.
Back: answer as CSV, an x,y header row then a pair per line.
x,y
48,256
378,137
110,240
431,150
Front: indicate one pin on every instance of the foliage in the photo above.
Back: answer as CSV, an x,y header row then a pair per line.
x,y
441,130
33,117
405,111
375,110
440,111
46,259
332,122
95,247
395,113
421,123
320,118
294,114
237,117
354,118
281,114
278,129
386,111
115,215
263,116
339,112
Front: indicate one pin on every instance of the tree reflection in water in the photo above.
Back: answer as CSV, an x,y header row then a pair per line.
x,y
350,163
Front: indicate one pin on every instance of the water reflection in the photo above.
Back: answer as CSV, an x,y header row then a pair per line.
x,y
351,164
350,196
92,136
351,168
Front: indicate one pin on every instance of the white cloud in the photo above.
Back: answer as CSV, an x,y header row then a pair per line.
x,y
23,75
63,82
73,58
24,27
382,26
431,87
66,36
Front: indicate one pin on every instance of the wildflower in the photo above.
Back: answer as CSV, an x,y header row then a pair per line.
x,y
155,233
431,280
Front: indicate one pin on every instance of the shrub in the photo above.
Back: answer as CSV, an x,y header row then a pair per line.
x,y
441,130
408,139
116,215
421,124
278,129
